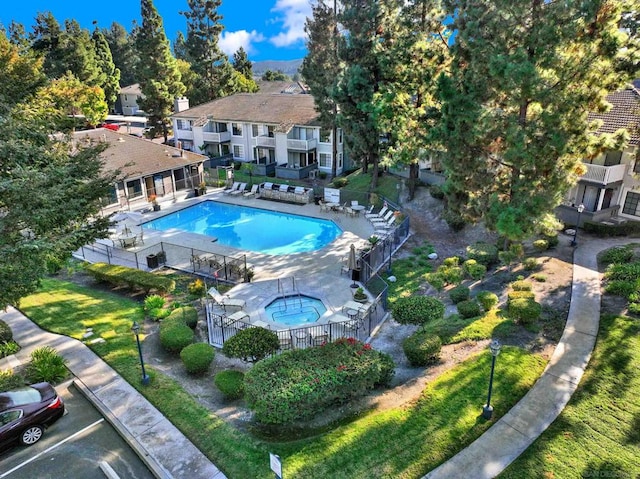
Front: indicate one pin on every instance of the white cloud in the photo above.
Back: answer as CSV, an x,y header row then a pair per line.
x,y
293,15
230,42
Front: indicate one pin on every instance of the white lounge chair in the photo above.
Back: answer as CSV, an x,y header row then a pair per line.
x,y
226,301
233,188
252,192
379,214
384,226
240,190
384,219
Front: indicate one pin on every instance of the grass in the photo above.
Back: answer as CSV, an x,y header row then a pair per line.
x,y
411,272
402,442
598,433
456,329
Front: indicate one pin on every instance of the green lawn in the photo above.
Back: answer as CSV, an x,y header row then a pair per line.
x,y
405,442
456,329
598,433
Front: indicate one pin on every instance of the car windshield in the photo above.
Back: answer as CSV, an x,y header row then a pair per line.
x,y
19,397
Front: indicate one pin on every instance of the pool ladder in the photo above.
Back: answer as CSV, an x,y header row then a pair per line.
x,y
295,294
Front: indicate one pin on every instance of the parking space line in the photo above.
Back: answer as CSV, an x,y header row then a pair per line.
x,y
19,466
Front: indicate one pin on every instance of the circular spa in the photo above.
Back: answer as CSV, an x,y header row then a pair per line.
x,y
295,310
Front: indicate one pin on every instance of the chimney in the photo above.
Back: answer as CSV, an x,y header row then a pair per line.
x,y
180,104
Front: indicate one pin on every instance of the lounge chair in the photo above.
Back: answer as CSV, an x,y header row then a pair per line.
x,y
379,214
233,188
226,301
383,225
384,219
240,190
252,192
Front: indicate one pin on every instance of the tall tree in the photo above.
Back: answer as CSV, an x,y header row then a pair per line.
x,y
124,52
20,75
242,64
180,47
321,68
524,75
18,37
111,83
46,39
207,60
79,56
159,74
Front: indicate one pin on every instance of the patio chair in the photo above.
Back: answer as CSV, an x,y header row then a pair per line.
x,y
252,192
319,339
233,188
344,266
349,211
379,214
384,219
240,190
385,225
226,301
323,206
369,211
354,202
286,343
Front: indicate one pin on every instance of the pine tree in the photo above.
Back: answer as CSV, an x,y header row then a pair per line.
x,y
159,74
111,84
524,75
124,52
242,64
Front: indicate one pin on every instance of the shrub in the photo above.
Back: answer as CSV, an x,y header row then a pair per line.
x,y
623,272
451,274
8,348
475,270
483,253
158,314
487,299
323,175
469,308
340,181
621,288
197,288
45,364
455,221
525,311
530,264
197,357
541,245
540,278
521,286
8,380
452,261
6,335
251,344
618,254
520,295
552,240
417,310
284,388
230,383
153,301
436,280
422,349
130,278
174,337
436,192
459,293
187,314
634,308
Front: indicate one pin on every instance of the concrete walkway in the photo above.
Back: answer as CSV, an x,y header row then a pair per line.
x,y
500,445
165,450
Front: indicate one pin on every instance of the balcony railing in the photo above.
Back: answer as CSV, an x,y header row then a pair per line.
x,y
604,174
212,137
184,134
301,145
264,141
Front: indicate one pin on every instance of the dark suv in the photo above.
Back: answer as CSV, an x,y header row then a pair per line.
x,y
26,412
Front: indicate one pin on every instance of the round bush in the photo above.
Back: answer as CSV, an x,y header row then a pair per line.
x,y
175,337
634,308
197,357
6,335
454,220
520,295
251,344
187,314
552,240
451,274
417,310
230,383
530,264
483,253
422,349
521,286
524,311
451,261
487,299
436,192
475,270
459,293
541,245
469,309
436,280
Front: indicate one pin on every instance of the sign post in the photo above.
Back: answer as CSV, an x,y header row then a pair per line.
x,y
276,465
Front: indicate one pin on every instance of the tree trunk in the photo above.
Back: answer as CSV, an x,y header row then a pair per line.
x,y
413,179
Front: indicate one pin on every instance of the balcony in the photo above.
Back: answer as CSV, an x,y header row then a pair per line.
x,y
211,137
301,145
264,141
184,134
604,175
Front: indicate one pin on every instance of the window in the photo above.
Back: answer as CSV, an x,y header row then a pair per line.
x,y
111,198
237,152
339,135
9,416
271,130
254,131
339,160
184,125
236,128
612,158
134,189
631,204
325,160
325,135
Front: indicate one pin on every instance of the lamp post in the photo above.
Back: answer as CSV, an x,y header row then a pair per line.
x,y
494,347
136,330
575,232
390,252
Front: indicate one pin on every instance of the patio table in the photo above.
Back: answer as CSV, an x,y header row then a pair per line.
x,y
357,209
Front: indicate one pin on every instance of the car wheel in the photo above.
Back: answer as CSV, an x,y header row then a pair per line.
x,y
32,435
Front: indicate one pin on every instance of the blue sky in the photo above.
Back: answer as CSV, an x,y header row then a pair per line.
x,y
267,29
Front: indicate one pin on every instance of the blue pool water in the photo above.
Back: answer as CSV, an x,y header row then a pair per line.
x,y
295,310
252,229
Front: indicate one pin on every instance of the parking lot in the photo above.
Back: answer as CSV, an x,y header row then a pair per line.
x,y
74,447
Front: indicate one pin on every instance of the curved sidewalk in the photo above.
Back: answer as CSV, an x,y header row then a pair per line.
x,y
165,450
501,444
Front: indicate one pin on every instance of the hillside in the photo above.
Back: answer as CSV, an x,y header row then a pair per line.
x,y
288,67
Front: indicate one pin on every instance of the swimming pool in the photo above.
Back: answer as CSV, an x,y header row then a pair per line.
x,y
252,229
296,310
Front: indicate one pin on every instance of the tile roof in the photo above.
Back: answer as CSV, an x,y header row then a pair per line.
x,y
137,157
274,108
625,113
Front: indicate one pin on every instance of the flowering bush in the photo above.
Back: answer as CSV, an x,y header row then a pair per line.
x,y
299,384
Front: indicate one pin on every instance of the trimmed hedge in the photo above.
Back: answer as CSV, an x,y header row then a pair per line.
x,y
251,344
230,383
541,245
299,384
417,310
487,299
422,349
130,278
525,311
187,314
469,309
521,285
6,335
436,280
530,264
175,336
197,358
459,293
483,253
520,295
474,269
602,230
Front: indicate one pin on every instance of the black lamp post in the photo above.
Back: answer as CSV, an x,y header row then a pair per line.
x,y
494,347
390,252
136,330
575,232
